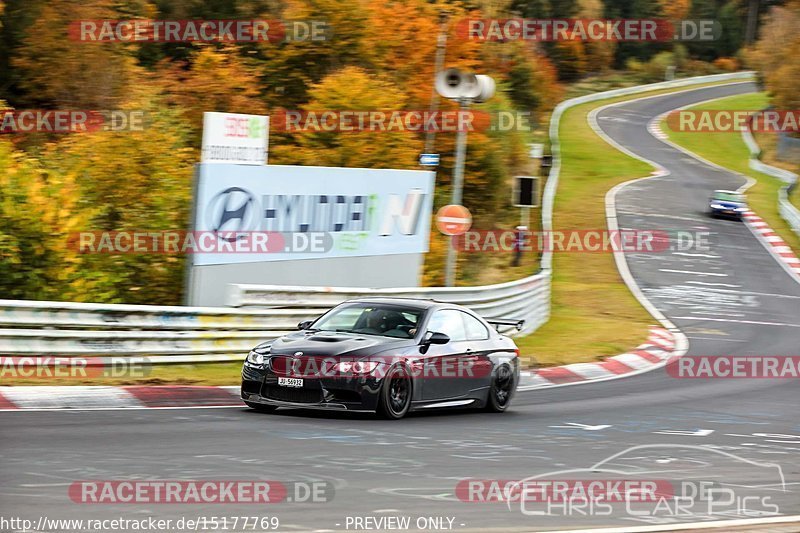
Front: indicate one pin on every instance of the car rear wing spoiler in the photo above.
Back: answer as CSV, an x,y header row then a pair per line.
x,y
497,322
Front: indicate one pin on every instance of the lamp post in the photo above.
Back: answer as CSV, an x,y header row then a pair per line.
x,y
457,194
465,88
441,47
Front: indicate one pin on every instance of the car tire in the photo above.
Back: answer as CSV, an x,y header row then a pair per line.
x,y
261,408
396,393
501,391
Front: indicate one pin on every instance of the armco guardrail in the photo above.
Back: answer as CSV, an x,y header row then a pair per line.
x,y
788,211
201,334
527,298
162,334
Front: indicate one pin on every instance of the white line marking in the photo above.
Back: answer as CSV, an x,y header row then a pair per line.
x,y
717,313
711,256
738,321
718,339
713,284
687,433
83,409
587,427
718,524
754,293
692,272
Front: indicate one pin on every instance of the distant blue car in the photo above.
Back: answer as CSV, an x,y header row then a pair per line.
x,y
729,204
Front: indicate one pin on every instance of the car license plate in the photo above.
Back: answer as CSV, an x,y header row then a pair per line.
x,y
729,211
290,382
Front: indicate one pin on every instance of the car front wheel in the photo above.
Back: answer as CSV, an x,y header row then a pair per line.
x,y
395,399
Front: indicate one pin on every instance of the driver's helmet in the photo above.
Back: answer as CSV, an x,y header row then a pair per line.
x,y
374,319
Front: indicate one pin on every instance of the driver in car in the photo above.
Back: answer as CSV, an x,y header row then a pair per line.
x,y
373,323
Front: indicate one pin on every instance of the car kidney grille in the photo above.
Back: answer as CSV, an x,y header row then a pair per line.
x,y
290,394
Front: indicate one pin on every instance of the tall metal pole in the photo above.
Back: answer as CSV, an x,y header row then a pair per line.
x,y
752,22
441,47
458,185
525,217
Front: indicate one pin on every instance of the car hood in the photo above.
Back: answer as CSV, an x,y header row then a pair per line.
x,y
326,344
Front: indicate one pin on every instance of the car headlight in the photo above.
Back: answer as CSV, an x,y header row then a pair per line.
x,y
256,355
255,358
355,367
741,209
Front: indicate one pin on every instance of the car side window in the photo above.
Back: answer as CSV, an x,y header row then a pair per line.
x,y
476,331
449,322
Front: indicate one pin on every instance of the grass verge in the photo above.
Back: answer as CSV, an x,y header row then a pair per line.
x,y
199,374
727,149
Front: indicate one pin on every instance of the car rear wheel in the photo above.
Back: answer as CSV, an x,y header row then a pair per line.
x,y
395,399
261,408
501,390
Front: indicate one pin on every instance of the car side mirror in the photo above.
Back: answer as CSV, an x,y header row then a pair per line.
x,y
304,324
434,337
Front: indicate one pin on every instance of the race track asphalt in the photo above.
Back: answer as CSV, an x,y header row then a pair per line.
x,y
742,435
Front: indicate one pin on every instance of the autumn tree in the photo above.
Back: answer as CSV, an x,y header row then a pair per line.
x,y
675,9
215,78
290,67
352,89
776,58
54,69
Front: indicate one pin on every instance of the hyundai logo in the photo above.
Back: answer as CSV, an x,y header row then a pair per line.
x,y
232,210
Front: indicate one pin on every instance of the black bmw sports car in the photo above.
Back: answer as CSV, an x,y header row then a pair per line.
x,y
388,355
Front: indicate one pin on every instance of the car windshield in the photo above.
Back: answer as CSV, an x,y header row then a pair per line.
x,y
728,197
372,319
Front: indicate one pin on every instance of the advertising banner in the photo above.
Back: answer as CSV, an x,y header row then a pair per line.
x,y
235,138
281,213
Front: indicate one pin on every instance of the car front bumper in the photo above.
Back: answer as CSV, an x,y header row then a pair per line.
x,y
356,393
730,213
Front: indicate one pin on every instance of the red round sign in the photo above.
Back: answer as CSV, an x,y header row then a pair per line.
x,y
453,219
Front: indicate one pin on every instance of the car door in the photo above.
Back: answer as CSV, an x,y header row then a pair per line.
x,y
477,358
440,362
